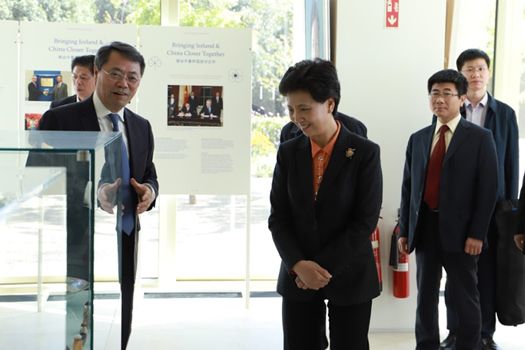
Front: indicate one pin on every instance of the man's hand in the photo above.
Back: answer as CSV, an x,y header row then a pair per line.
x,y
519,239
311,275
402,245
144,194
107,195
473,246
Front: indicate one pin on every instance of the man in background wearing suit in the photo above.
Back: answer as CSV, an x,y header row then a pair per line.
x,y
83,80
207,110
60,89
193,103
448,195
216,104
290,130
482,109
118,70
33,93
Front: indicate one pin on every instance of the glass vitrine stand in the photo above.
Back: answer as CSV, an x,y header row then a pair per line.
x,y
48,220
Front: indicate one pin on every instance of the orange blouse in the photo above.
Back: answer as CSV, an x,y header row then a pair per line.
x,y
321,157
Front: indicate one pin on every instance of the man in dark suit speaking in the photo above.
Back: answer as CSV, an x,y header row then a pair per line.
x,y
448,195
118,68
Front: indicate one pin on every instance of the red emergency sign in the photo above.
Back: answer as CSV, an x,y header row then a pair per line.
x,y
392,13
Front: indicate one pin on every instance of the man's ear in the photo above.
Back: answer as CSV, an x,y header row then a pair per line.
x,y
331,105
462,99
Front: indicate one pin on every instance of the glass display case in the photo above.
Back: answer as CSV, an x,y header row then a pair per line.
x,y
49,222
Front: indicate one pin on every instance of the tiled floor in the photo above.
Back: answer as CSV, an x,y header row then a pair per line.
x,y
224,324
185,323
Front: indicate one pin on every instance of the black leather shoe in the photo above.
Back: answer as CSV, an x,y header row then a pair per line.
x,y
449,343
488,344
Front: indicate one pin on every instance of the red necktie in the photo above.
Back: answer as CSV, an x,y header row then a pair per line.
x,y
434,170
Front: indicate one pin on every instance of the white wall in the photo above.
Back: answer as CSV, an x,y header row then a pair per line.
x,y
383,74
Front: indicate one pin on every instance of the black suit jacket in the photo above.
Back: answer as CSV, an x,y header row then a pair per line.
x,y
207,111
290,130
33,92
193,104
468,186
81,116
216,106
521,210
334,230
64,101
500,119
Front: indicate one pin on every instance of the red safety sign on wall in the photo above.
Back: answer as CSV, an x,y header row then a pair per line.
x,y
392,13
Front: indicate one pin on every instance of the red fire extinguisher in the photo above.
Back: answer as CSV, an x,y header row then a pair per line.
x,y
399,263
376,242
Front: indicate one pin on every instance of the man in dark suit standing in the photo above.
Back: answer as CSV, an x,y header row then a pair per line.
x,y
60,89
216,104
118,69
449,192
482,109
193,103
83,71
33,93
290,130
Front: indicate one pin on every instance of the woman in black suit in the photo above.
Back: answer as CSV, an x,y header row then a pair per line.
x,y
326,196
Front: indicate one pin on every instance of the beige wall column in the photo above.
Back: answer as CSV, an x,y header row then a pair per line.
x,y
383,75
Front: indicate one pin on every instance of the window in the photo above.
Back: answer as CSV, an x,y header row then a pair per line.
x,y
83,11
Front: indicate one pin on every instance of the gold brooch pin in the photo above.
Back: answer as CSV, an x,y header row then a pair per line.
x,y
350,152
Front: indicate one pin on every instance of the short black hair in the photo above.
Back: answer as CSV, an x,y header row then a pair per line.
x,y
449,76
318,77
471,54
124,49
87,61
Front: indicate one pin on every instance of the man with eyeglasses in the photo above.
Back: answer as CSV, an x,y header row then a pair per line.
x,y
118,71
482,109
447,197
83,71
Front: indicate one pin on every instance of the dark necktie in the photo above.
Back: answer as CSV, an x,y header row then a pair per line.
x,y
434,170
128,218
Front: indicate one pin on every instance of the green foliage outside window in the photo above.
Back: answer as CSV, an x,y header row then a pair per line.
x,y
265,141
271,23
82,11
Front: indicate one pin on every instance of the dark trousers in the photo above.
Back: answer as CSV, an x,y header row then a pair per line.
x,y
127,285
77,225
487,284
304,325
462,276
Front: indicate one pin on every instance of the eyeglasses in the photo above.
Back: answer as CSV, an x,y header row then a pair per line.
x,y
117,75
445,95
472,70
